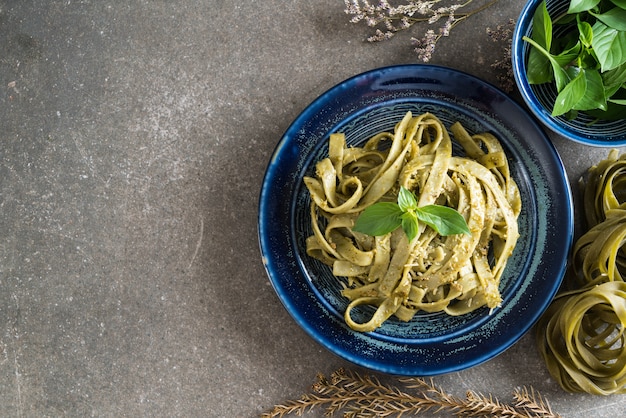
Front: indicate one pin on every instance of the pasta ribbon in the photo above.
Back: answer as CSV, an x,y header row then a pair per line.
x,y
454,274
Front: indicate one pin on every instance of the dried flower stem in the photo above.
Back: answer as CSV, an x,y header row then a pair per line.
x,y
360,396
503,67
389,19
532,401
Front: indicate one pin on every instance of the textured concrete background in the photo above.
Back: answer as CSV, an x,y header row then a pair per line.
x,y
134,137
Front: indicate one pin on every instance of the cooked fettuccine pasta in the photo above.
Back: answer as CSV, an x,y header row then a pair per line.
x,y
455,274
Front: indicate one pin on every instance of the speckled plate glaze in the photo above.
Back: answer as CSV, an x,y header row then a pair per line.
x,y
429,344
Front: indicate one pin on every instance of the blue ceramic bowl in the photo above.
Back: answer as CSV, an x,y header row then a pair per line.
x,y
540,98
431,343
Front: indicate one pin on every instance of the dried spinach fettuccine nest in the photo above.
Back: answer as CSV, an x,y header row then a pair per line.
x,y
604,188
582,335
582,341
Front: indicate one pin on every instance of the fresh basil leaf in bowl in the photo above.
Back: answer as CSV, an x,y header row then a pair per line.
x,y
569,62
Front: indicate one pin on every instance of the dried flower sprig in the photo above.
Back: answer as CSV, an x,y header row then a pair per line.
x,y
388,19
504,34
361,396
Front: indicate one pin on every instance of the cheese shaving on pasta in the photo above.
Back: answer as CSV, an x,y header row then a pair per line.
x,y
455,274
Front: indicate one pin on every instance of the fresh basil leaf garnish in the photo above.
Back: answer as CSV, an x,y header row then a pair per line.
x,y
410,225
384,217
406,200
444,220
379,219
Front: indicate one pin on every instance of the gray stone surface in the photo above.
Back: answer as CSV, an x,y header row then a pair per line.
x,y
134,137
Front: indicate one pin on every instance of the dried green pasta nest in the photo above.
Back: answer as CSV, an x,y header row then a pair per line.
x,y
582,335
582,339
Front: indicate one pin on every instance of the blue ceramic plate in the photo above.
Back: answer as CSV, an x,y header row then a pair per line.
x,y
436,343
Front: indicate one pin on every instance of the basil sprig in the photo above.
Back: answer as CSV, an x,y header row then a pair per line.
x,y
587,62
384,217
